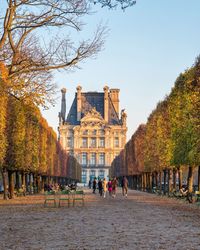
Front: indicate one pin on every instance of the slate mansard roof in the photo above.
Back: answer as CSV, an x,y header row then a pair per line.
x,y
91,100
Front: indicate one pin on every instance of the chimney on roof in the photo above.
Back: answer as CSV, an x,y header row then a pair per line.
x,y
106,103
63,105
114,96
79,88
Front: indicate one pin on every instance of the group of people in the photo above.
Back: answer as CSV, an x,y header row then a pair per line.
x,y
110,186
59,187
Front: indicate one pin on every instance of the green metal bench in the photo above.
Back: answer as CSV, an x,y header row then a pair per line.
x,y
78,196
49,198
64,196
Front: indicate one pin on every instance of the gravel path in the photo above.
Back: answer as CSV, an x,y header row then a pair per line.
x,y
141,221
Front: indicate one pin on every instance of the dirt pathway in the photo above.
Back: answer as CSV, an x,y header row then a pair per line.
x,y
141,221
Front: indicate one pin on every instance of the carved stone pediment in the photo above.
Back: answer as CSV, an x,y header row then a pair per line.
x,y
92,118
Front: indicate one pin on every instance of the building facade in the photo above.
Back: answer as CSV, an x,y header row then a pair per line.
x,y
93,131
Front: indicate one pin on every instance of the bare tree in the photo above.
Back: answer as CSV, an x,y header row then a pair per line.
x,y
114,3
30,56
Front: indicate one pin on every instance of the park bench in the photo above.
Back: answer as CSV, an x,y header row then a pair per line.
x,y
78,196
49,198
64,196
21,192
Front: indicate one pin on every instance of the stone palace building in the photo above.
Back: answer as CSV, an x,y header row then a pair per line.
x,y
93,131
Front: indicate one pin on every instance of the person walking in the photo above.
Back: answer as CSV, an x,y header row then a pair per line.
x,y
124,185
100,187
94,185
110,187
114,187
104,184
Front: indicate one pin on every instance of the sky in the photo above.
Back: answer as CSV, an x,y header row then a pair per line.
x,y
146,49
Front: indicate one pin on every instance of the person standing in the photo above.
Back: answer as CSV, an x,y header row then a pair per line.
x,y
124,185
89,184
104,184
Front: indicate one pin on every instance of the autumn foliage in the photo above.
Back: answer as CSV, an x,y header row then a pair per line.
x,y
170,139
27,144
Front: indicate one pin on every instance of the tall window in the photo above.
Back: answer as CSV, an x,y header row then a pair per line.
x,y
101,142
94,132
116,142
101,174
84,158
93,159
92,174
93,143
101,159
84,142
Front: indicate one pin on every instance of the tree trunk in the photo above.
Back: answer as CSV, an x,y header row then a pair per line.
x,y
199,178
165,177
5,184
180,178
174,178
26,181
160,181
11,183
142,182
48,180
17,185
145,182
136,182
42,183
23,180
156,179
190,179
153,175
38,181
132,178
150,182
34,183
30,183
170,186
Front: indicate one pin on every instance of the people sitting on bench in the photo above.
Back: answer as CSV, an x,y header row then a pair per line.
x,y
184,191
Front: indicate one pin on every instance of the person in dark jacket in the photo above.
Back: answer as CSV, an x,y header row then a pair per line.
x,y
100,187
124,185
94,185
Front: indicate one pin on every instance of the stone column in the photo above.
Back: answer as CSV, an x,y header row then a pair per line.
x,y
114,95
63,105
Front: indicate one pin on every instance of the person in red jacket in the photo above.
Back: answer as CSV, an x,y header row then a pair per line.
x,y
110,187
